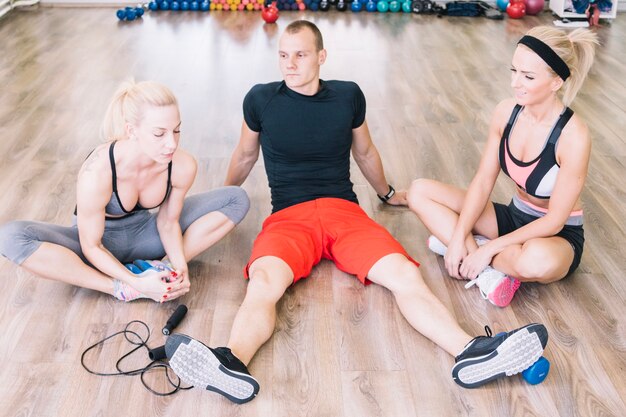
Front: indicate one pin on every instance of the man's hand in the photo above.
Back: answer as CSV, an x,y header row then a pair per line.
x,y
398,199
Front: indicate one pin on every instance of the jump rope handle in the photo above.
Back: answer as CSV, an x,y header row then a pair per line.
x,y
175,319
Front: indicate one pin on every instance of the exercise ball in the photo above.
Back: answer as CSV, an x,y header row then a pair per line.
x,y
516,10
501,4
534,7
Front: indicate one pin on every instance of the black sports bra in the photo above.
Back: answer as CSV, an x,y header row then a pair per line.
x,y
114,209
115,205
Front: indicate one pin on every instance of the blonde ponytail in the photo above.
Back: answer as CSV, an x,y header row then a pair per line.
x,y
576,49
127,103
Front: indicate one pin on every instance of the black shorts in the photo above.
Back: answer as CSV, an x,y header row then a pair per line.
x,y
511,218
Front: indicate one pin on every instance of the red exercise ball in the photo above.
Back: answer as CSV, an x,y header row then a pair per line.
x,y
534,7
516,10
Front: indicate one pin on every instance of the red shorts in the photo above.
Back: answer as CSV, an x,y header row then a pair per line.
x,y
329,228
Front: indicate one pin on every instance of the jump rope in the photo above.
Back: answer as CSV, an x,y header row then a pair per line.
x,y
157,355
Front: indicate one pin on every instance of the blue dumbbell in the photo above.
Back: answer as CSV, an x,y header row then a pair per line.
x,y
143,265
133,268
138,266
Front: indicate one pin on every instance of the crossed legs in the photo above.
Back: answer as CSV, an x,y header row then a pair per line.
x,y
438,206
56,249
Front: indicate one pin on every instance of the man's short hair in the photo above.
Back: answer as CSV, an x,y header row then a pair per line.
x,y
298,25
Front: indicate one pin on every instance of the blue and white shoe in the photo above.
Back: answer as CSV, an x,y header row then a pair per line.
x,y
486,358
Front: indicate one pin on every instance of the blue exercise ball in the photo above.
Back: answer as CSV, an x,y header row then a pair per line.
x,y
501,4
175,6
370,6
164,5
121,14
184,5
153,6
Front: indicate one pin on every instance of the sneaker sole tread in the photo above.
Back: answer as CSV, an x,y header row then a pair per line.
x,y
516,354
195,364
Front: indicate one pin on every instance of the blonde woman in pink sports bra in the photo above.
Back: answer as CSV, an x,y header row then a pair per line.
x,y
537,141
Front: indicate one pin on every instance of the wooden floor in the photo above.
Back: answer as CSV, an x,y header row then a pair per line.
x,y
339,349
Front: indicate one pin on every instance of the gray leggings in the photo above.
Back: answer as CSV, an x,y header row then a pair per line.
x,y
128,239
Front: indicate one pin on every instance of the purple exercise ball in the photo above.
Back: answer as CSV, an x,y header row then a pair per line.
x,y
534,7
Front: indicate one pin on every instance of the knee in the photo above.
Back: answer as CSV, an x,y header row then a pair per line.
x,y
13,236
238,204
535,263
264,287
404,278
418,192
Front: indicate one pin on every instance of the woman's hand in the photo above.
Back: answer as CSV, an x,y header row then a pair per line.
x,y
476,262
455,255
180,285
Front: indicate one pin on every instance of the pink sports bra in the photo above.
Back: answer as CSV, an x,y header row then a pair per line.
x,y
536,177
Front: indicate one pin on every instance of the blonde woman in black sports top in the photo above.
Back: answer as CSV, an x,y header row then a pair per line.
x,y
544,147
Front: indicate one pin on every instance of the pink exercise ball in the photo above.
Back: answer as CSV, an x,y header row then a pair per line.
x,y
534,7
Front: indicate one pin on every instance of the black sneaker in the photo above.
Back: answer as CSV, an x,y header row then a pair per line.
x,y
216,369
486,358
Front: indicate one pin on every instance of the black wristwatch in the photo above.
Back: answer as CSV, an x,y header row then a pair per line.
x,y
387,197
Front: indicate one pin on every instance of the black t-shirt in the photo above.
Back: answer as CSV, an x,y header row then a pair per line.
x,y
306,140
